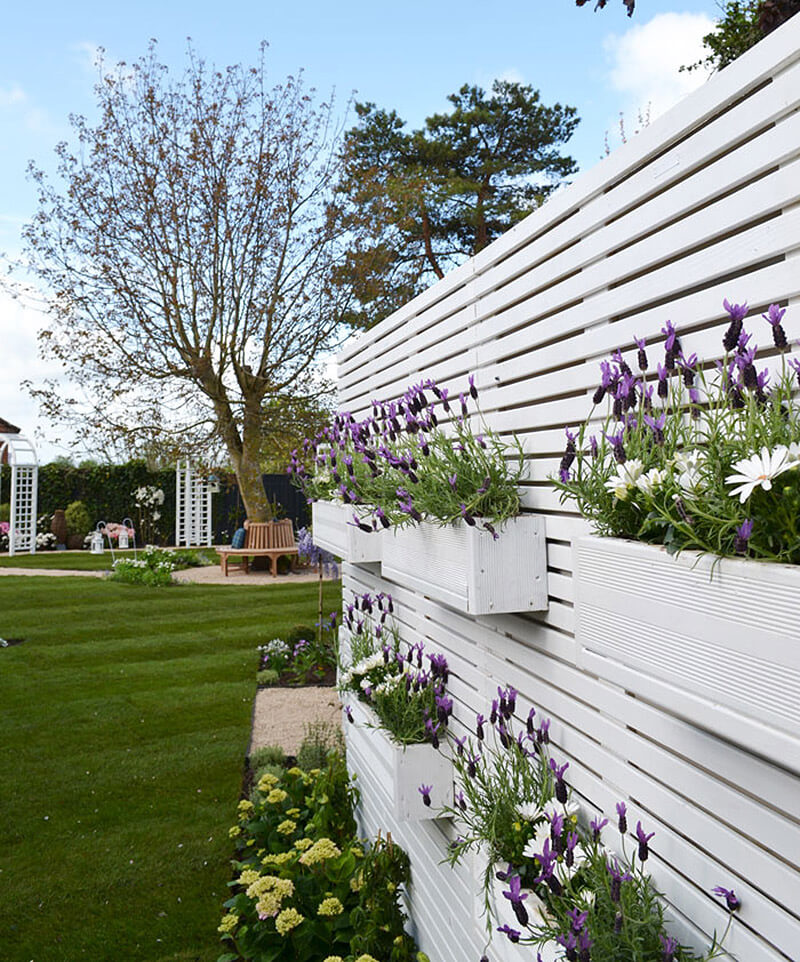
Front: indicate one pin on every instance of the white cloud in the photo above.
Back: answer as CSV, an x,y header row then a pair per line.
x,y
645,60
11,96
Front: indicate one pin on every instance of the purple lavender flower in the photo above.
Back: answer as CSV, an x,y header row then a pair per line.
x,y
348,711
561,785
461,801
473,391
737,314
529,721
618,876
622,823
577,919
743,533
774,316
584,947
731,899
668,947
641,355
479,727
570,944
643,840
597,825
593,446
657,426
513,934
543,732
425,792
569,852
556,831
517,897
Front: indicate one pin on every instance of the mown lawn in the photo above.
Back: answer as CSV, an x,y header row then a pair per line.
x,y
80,560
125,718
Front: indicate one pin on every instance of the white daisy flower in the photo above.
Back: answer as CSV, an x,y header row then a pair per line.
x,y
648,483
758,471
626,477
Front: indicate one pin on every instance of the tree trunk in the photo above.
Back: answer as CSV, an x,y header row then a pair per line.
x,y
245,454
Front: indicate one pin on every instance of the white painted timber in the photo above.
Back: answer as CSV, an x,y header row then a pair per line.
x,y
697,630
465,567
334,530
405,767
697,734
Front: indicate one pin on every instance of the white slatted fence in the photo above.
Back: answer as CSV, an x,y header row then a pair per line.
x,y
701,205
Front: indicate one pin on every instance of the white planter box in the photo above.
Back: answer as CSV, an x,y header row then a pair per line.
x,y
716,641
334,531
402,768
465,568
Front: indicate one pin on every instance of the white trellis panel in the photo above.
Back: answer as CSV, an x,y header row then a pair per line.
x,y
193,519
24,466
702,205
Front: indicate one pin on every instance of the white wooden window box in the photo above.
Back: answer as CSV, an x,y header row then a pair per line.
x,y
333,530
465,568
713,640
403,768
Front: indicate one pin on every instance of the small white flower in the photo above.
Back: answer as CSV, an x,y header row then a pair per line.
x,y
650,482
626,477
758,471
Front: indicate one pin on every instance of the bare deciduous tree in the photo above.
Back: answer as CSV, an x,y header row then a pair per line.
x,y
187,248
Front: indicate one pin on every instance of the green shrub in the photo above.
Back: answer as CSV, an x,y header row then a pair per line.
x,y
300,633
267,676
267,755
78,519
319,739
5,512
153,568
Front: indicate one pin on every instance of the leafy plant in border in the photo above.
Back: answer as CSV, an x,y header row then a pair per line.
x,y
306,887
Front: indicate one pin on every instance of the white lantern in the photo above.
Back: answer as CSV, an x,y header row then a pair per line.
x,y
123,538
96,544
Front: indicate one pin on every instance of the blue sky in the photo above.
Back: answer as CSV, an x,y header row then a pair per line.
x,y
403,56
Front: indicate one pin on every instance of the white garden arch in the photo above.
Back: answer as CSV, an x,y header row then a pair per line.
x,y
192,507
20,454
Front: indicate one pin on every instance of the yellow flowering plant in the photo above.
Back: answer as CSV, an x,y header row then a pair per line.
x,y
305,887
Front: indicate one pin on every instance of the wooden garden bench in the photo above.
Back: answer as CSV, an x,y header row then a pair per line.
x,y
267,539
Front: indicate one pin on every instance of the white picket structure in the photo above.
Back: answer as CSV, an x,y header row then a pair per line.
x,y
193,520
701,205
21,456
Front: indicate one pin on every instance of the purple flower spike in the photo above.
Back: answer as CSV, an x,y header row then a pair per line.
x,y
513,934
668,947
622,822
731,899
349,714
641,356
743,533
516,897
597,825
472,389
774,316
425,792
643,840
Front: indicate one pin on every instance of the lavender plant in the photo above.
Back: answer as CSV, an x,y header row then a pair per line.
x,y
694,458
597,904
505,783
399,466
406,688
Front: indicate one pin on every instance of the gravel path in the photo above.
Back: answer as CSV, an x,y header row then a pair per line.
x,y
281,714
